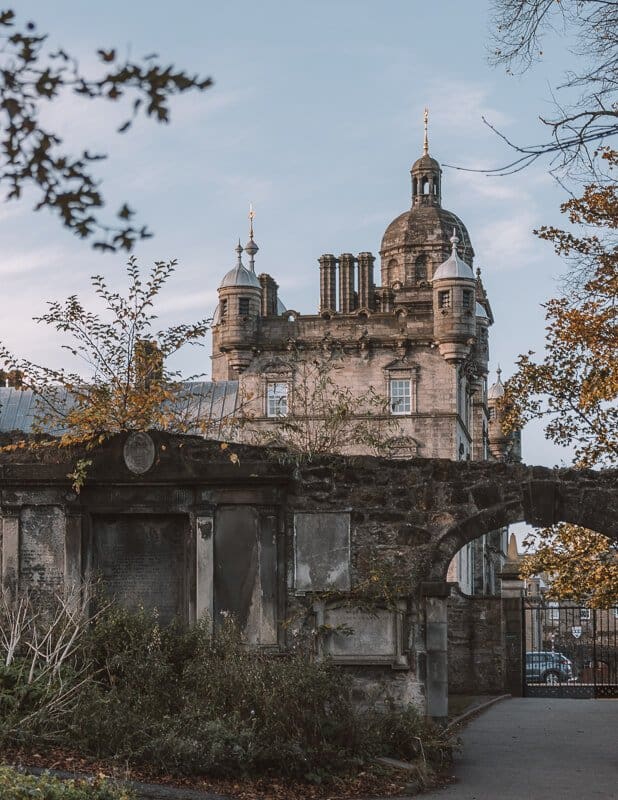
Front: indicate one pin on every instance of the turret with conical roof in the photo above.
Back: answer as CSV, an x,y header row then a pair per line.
x,y
454,306
240,301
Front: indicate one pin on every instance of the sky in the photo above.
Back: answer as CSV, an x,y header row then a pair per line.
x,y
315,117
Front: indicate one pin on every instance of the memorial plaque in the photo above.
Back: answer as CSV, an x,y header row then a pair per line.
x,y
41,546
359,636
141,559
139,453
322,551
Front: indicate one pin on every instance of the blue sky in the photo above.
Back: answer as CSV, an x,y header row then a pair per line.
x,y
315,117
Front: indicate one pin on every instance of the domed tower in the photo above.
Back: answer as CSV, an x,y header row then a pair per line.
x,y
454,306
236,319
417,241
499,441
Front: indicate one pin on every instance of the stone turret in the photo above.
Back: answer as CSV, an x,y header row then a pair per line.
x,y
499,441
240,305
454,304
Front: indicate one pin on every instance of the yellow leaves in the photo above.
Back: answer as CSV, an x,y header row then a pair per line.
x,y
580,565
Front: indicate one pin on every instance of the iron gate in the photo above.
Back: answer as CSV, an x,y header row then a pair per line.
x,y
569,651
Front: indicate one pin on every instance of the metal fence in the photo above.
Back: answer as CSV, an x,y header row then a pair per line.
x,y
569,650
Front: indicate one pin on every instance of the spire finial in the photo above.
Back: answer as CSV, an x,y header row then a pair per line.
x,y
251,247
426,139
238,249
454,240
498,373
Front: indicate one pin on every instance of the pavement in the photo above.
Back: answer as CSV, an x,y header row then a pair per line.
x,y
538,749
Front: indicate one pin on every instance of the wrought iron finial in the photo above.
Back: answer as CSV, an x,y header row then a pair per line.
x,y
426,139
251,247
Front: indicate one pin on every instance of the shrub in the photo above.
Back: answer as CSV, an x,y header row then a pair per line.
x,y
16,786
186,701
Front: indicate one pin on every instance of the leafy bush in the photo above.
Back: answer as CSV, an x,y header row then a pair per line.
x,y
15,786
186,701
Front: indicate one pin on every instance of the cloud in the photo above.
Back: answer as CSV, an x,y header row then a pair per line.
x,y
509,243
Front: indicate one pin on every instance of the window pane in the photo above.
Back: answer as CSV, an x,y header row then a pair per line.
x,y
277,400
400,396
243,306
444,299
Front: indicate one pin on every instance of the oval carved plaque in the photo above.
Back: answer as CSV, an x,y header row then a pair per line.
x,y
139,453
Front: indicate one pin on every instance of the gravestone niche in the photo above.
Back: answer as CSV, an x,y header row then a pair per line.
x,y
245,572
141,558
321,551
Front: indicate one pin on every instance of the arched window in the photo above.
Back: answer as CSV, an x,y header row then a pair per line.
x,y
425,185
414,187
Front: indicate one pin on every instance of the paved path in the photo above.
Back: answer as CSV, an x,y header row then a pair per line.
x,y
538,749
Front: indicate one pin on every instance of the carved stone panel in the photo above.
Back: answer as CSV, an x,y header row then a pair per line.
x,y
139,453
351,635
141,558
41,546
322,551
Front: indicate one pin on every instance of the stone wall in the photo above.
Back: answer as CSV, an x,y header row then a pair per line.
x,y
350,551
475,644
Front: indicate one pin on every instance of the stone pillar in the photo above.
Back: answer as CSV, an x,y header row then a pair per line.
x,y
10,549
365,280
512,621
347,299
328,282
204,558
435,595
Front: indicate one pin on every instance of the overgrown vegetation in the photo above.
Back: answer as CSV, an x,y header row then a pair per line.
x,y
127,385
185,701
15,786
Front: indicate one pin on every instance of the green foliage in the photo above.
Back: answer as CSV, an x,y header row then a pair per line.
x,y
15,786
32,75
185,701
129,386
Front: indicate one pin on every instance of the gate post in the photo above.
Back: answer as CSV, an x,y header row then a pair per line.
x,y
435,595
512,621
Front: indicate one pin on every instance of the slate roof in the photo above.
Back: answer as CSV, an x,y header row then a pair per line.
x,y
211,401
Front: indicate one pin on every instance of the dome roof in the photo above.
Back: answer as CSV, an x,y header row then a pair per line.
x,y
496,390
454,266
240,275
426,164
425,224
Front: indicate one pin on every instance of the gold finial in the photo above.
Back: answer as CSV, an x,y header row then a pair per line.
x,y
251,216
426,139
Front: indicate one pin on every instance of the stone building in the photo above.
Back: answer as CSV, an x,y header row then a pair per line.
x,y
419,340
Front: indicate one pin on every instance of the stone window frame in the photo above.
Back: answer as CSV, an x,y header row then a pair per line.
x,y
444,299
275,372
467,297
244,306
396,371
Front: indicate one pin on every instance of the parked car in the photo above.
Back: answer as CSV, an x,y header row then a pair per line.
x,y
544,666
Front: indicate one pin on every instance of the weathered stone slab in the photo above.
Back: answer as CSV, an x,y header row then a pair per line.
x,y
321,551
